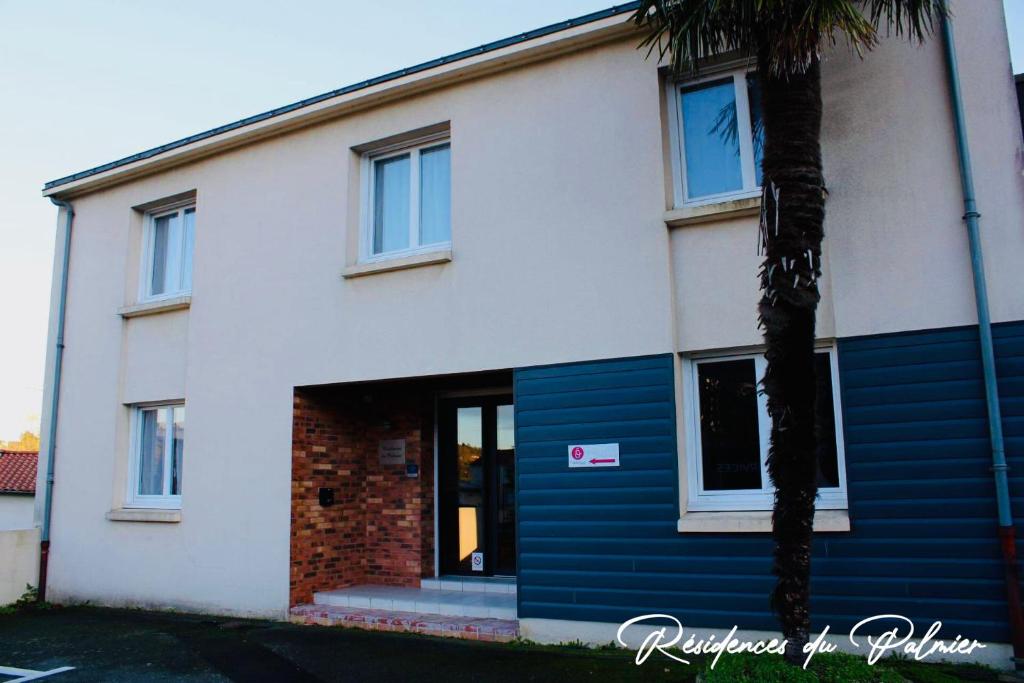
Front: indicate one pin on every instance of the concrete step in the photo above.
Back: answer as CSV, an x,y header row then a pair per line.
x,y
425,601
469,628
478,584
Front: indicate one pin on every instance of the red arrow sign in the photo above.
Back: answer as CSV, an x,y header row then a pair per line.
x,y
594,455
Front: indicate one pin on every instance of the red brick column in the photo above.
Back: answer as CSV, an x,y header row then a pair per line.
x,y
327,543
426,482
380,529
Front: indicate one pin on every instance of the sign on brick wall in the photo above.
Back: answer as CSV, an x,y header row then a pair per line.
x,y
391,452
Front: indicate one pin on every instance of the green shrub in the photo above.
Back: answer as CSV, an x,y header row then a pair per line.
x,y
29,600
835,667
943,672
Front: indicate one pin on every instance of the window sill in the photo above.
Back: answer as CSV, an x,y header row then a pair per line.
x,y
756,521
399,263
176,303
144,515
717,211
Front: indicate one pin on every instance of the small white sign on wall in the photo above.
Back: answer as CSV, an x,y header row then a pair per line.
x,y
594,455
391,452
477,560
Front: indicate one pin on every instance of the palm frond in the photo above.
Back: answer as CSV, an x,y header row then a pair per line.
x,y
690,31
787,34
915,19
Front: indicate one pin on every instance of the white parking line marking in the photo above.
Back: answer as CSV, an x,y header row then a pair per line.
x,y
29,674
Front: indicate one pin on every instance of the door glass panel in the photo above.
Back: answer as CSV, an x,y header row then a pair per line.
x,y
506,467
469,435
729,435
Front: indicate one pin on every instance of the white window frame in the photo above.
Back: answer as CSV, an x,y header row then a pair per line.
x,y
133,498
413,149
749,172
146,268
698,500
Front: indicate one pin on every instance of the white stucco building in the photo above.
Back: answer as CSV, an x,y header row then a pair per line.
x,y
349,341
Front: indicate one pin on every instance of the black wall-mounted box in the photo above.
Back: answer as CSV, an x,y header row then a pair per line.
x,y
326,497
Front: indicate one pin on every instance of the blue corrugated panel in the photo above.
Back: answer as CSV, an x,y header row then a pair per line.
x,y
602,545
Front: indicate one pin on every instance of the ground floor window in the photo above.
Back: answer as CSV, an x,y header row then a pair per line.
x,y
729,430
158,449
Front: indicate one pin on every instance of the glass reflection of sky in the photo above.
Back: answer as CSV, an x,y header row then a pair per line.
x,y
470,427
506,428
712,159
756,125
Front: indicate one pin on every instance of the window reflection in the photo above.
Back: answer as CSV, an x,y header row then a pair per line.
x,y
469,432
712,158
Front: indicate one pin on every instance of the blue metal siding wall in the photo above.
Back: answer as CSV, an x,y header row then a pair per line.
x,y
922,499
602,545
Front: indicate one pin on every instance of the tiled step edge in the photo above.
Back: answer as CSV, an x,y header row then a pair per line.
x,y
457,586
453,604
469,628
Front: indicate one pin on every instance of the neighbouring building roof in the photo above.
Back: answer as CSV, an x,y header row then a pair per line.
x,y
425,66
18,471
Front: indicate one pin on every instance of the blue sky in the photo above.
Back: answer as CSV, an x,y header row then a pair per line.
x,y
84,83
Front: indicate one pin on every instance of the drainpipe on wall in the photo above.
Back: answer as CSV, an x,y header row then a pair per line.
x,y
51,446
988,363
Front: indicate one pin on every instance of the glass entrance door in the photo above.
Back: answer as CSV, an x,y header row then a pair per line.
x,y
476,480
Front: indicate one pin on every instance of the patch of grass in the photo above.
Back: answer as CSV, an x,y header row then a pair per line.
x,y
836,667
939,672
839,667
565,646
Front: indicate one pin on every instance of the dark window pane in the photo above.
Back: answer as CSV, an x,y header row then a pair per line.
x,y
730,444
178,445
756,125
506,466
828,459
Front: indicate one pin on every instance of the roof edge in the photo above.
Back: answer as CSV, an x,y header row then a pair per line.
x,y
615,10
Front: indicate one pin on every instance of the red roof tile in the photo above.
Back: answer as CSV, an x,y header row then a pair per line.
x,y
18,471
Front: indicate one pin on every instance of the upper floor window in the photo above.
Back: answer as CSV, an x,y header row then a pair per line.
x,y
158,447
408,204
729,429
169,242
719,137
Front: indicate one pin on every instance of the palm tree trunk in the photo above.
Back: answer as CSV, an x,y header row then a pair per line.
x,y
792,219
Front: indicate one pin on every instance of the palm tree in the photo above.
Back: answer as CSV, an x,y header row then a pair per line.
x,y
786,38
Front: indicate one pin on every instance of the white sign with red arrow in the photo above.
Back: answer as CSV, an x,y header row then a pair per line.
x,y
594,455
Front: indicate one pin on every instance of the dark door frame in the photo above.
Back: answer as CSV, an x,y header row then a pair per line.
x,y
447,482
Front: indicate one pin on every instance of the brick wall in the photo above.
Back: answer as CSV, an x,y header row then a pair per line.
x,y
380,529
